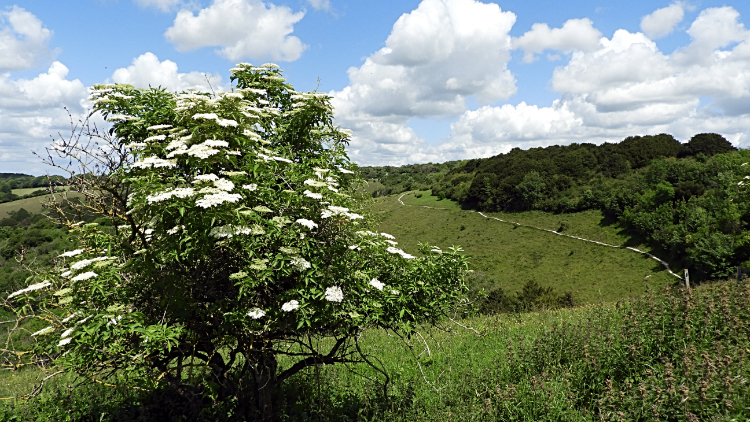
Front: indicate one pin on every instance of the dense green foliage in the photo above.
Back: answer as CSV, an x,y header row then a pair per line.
x,y
679,356
389,180
32,239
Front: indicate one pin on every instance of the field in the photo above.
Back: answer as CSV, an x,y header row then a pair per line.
x,y
506,255
32,205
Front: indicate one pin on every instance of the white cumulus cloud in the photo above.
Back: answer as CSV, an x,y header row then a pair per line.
x,y
627,86
662,21
434,59
147,70
23,39
32,110
242,29
575,35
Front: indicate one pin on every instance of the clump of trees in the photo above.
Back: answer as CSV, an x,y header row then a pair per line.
x,y
236,255
10,181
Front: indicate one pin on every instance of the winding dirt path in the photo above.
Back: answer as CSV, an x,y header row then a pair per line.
x,y
662,262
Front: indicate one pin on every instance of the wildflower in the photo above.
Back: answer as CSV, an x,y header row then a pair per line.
x,y
290,306
71,253
229,231
289,251
436,250
31,288
377,284
312,195
65,274
345,171
307,223
315,183
233,173
334,294
256,313
68,332
84,276
250,187
395,292
43,331
286,160
387,236
64,342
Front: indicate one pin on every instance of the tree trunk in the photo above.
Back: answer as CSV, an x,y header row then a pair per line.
x,y
265,381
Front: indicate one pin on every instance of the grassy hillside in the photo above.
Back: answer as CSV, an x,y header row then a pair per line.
x,y
32,205
508,256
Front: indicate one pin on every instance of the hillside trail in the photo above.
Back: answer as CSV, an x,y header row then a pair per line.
x,y
662,262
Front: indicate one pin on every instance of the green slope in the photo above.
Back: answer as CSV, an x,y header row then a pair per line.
x,y
508,256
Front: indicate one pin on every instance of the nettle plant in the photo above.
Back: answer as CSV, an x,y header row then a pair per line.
x,y
236,239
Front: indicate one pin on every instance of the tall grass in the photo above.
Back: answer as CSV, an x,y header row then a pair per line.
x,y
676,356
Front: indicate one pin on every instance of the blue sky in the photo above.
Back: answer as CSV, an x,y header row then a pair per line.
x,y
416,81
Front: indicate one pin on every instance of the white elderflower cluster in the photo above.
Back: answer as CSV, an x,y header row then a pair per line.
x,y
316,183
176,229
43,331
210,177
201,151
64,342
229,231
217,199
299,263
31,288
216,143
377,284
258,264
335,211
307,223
238,275
345,171
134,145
86,262
71,253
84,276
233,173
163,196
290,306
176,144
250,187
154,162
334,294
312,195
205,116
398,251
158,127
224,184
282,159
256,313
155,138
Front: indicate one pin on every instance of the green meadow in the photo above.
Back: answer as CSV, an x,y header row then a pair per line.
x,y
508,255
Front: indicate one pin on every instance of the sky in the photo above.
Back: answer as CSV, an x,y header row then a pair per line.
x,y
415,81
